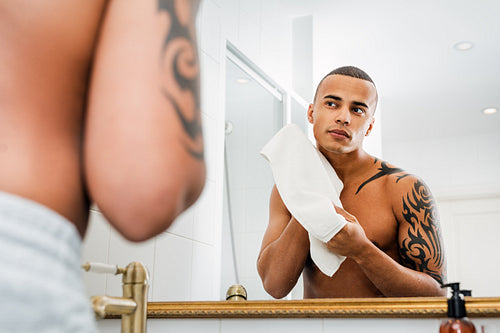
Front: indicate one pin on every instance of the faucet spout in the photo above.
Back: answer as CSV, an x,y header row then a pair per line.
x,y
133,306
108,305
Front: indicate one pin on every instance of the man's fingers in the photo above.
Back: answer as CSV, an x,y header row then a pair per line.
x,y
341,211
346,215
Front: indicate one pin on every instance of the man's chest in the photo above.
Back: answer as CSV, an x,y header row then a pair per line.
x,y
373,209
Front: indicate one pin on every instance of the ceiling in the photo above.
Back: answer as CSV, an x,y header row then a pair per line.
x,y
427,88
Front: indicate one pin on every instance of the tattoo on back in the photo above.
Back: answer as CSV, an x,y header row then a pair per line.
x,y
384,170
421,250
182,88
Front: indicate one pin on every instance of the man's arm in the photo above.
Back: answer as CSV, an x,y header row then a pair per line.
x,y
422,267
420,242
143,146
284,250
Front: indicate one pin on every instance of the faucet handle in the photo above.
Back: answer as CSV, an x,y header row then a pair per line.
x,y
102,268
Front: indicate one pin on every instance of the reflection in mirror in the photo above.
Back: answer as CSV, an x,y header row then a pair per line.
x,y
427,128
420,112
248,182
431,97
254,112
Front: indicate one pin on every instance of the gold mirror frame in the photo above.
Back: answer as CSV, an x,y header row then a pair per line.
x,y
425,307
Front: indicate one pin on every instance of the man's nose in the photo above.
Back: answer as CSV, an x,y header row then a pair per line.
x,y
343,116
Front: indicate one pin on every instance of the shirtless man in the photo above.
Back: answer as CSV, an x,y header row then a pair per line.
x,y
392,240
99,102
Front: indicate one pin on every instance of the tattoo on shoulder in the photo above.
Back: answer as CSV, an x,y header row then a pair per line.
x,y
422,249
181,86
383,170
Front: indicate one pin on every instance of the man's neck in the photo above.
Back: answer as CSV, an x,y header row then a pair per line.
x,y
348,165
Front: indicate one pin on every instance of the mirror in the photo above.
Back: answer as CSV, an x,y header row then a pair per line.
x,y
432,93
429,121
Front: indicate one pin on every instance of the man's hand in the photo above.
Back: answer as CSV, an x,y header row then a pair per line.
x,y
351,240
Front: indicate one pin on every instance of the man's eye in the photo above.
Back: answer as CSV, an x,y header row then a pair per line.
x,y
330,103
358,110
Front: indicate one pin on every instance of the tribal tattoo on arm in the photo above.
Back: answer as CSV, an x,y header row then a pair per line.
x,y
421,249
179,61
421,246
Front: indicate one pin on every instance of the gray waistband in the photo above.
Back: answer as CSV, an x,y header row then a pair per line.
x,y
31,227
41,283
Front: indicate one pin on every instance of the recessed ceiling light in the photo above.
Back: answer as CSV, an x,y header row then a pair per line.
x,y
242,80
463,46
489,110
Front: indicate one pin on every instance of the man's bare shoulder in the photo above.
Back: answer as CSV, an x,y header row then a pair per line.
x,y
400,181
406,189
385,174
396,181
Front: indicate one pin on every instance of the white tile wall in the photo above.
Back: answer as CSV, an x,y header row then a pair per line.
x,y
210,33
96,249
238,208
250,28
271,325
252,9
230,22
228,269
172,284
210,123
381,325
489,325
247,247
249,36
300,325
443,164
204,217
276,41
474,271
257,208
184,325
203,278
184,224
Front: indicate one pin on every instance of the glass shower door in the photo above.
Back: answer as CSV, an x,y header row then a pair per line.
x,y
254,113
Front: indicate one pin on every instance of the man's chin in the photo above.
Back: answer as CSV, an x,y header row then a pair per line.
x,y
333,149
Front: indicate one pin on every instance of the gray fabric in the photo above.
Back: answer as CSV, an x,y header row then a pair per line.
x,y
41,286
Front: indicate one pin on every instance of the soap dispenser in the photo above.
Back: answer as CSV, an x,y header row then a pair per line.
x,y
457,321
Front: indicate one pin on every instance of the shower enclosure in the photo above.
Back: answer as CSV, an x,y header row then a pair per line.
x,y
256,108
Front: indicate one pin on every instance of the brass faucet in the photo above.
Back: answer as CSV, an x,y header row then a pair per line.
x,y
133,305
236,293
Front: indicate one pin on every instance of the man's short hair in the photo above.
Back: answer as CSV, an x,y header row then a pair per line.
x,y
351,71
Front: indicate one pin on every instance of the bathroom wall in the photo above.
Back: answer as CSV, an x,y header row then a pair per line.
x,y
452,166
299,325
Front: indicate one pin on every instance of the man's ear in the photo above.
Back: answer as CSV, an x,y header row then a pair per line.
x,y
370,127
310,111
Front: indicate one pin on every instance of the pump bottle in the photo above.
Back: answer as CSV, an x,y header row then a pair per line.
x,y
457,321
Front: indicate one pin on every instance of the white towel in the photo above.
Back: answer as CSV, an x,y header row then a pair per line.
x,y
309,187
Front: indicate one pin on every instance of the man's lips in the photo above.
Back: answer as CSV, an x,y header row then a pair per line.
x,y
339,132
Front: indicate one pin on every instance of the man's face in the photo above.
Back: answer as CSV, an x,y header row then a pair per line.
x,y
342,113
